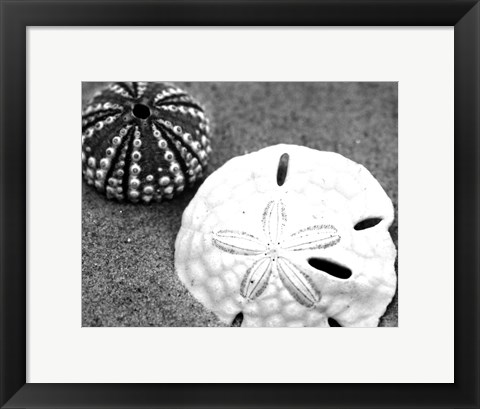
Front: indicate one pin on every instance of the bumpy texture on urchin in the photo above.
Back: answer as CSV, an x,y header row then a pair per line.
x,y
281,235
143,141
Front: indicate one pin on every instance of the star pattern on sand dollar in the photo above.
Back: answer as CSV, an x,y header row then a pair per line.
x,y
273,254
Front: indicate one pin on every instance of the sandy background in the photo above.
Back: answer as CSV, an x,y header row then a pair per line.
x,y
128,276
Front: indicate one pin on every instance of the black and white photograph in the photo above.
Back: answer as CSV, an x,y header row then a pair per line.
x,y
239,204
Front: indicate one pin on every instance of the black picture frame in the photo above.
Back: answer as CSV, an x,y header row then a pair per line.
x,y
16,15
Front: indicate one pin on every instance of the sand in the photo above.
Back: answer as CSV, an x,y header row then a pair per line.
x,y
128,276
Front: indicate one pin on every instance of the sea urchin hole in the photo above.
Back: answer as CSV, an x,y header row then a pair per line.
x,y
237,321
141,111
333,323
282,169
367,223
328,267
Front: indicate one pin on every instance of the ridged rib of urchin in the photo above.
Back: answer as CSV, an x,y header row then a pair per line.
x,y
153,159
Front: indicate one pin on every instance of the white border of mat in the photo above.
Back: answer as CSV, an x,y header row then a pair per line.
x,y
420,350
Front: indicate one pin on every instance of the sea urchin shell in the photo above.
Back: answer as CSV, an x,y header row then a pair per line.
x,y
143,141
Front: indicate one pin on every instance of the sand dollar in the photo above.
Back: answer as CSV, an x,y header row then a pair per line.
x,y
293,260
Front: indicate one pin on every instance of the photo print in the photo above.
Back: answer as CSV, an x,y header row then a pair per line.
x,y
239,204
